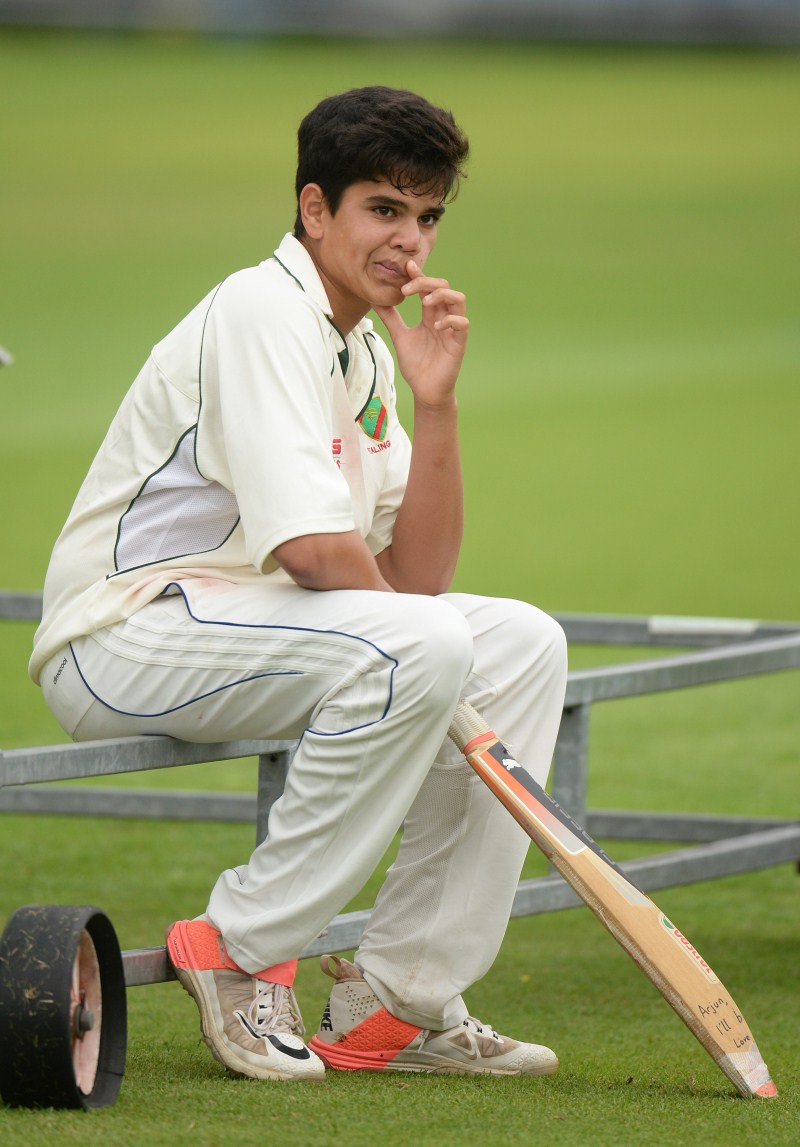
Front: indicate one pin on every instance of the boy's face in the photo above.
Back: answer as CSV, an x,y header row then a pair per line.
x,y
361,252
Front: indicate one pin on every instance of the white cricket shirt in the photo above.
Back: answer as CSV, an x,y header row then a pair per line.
x,y
254,421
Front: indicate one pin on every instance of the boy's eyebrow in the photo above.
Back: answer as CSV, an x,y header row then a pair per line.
x,y
401,204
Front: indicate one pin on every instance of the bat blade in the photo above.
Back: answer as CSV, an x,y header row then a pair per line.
x,y
663,953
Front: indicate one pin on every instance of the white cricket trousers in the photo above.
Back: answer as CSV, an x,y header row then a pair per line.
x,y
368,681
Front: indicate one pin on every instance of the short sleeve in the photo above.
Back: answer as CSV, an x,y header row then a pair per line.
x,y
266,424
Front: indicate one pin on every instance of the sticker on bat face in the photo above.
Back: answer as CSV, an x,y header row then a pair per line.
x,y
558,822
689,948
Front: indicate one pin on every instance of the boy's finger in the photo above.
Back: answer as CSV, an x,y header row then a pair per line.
x,y
391,319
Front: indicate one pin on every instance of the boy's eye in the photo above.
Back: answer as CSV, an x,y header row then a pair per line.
x,y
386,211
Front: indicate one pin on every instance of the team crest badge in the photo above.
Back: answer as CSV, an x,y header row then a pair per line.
x,y
374,420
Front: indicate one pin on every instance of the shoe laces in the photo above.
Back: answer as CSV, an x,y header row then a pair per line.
x,y
274,1009
473,1025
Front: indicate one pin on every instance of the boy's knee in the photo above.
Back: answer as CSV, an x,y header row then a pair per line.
x,y
536,635
447,638
443,645
553,638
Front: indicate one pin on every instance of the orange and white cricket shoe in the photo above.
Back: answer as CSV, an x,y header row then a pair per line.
x,y
251,1025
358,1034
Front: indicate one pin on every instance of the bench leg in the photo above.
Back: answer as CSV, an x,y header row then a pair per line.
x,y
272,770
571,762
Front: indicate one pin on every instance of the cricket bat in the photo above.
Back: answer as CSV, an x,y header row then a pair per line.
x,y
663,953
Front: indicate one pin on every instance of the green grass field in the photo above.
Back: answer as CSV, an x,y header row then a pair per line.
x,y
627,240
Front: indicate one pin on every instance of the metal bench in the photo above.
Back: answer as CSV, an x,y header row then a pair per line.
x,y
721,650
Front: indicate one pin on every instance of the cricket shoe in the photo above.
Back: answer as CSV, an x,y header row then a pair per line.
x,y
358,1034
252,1026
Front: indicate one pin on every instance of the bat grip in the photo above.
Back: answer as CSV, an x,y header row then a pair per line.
x,y
466,725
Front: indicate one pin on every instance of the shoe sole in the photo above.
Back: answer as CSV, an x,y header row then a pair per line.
x,y
342,1060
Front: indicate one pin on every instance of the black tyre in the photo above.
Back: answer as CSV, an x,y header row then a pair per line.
x,y
63,1015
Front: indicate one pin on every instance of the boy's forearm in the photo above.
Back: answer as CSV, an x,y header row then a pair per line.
x,y
331,561
427,532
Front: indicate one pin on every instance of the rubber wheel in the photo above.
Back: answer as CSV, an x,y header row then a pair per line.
x,y
63,1014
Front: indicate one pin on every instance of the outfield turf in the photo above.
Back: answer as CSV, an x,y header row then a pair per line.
x,y
627,241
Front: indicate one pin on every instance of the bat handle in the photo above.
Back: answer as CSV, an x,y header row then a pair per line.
x,y
466,725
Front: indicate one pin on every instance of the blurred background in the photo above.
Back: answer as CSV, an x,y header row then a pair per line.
x,y
627,238
724,21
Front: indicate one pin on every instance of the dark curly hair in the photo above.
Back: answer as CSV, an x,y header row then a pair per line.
x,y
379,133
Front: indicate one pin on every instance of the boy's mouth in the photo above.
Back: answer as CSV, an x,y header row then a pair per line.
x,y
392,271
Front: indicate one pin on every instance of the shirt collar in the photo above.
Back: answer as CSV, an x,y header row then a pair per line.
x,y
296,261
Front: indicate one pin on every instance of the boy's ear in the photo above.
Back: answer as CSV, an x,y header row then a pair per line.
x,y
313,208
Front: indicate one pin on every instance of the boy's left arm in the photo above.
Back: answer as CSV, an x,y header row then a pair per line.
x,y
427,531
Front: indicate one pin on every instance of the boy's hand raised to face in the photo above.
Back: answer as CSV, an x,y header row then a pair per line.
x,y
429,355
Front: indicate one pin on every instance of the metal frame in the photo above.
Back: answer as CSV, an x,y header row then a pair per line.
x,y
722,650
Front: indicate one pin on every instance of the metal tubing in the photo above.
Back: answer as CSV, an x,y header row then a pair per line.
x,y
127,755
571,762
16,605
689,828
272,770
681,632
144,804
702,667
